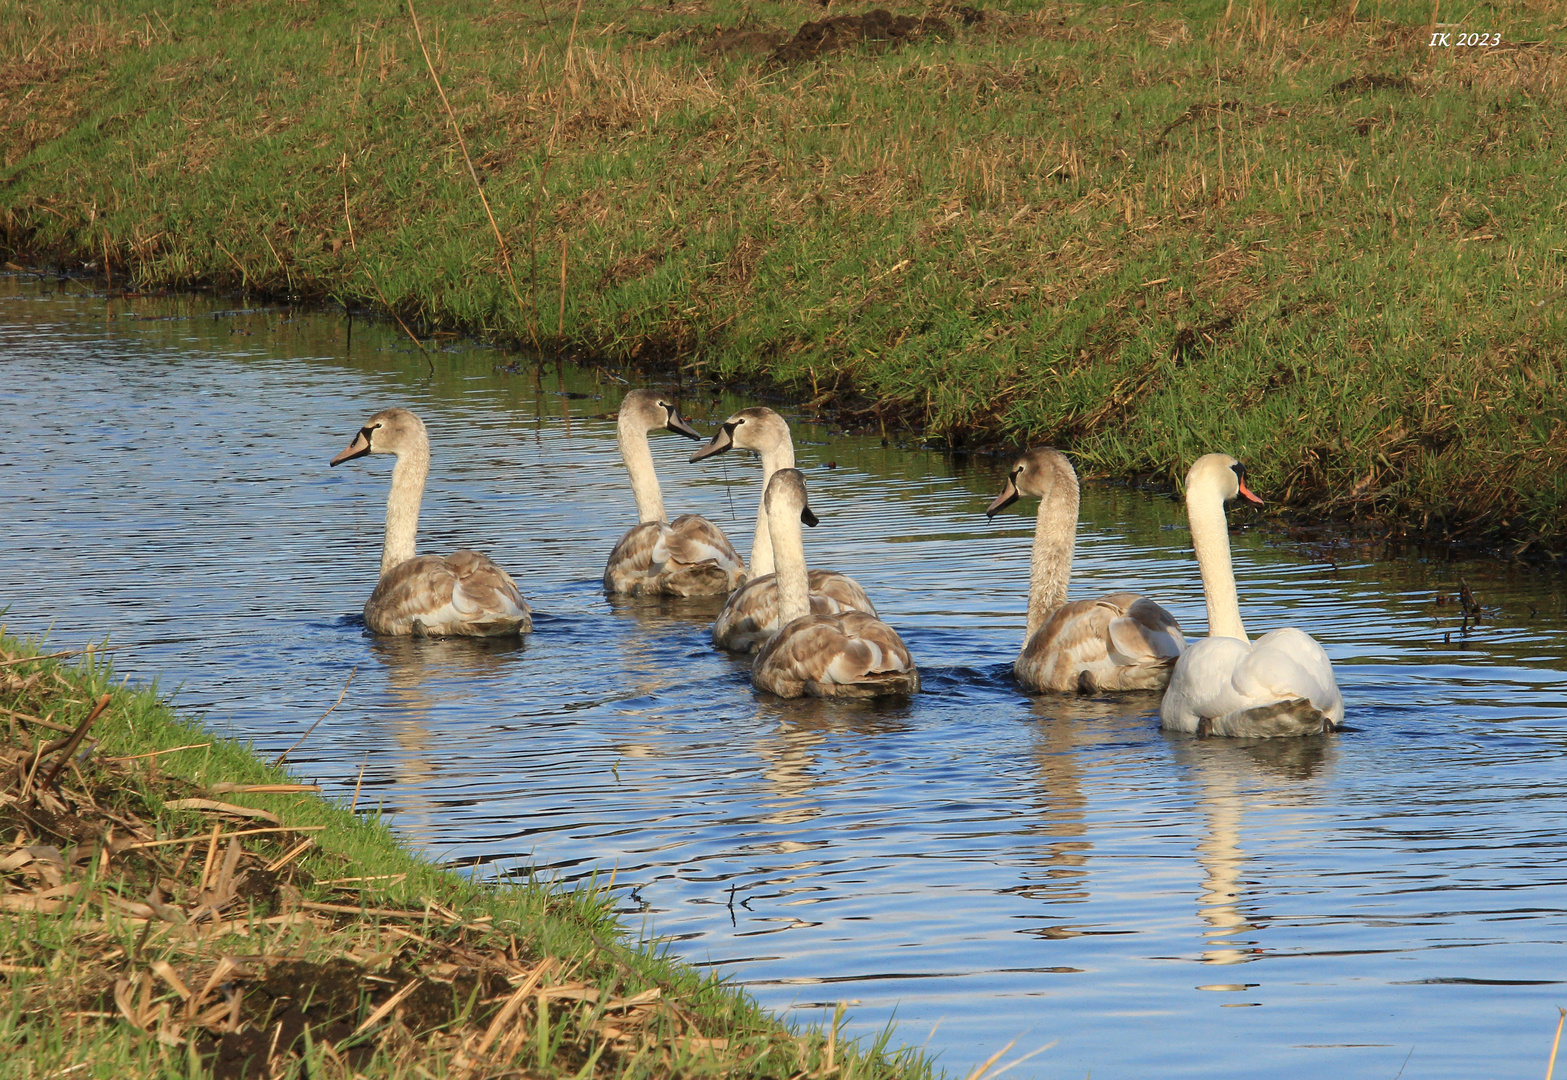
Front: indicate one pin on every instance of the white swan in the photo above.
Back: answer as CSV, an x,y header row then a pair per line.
x,y
689,556
1118,642
750,615
852,655
461,595
1281,684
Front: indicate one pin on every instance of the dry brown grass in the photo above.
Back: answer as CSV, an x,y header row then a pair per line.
x,y
153,921
1015,228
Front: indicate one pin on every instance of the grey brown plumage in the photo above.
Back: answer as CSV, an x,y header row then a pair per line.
x,y
852,655
750,615
689,556
464,594
1122,641
848,655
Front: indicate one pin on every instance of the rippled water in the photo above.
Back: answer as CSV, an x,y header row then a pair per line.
x,y
978,862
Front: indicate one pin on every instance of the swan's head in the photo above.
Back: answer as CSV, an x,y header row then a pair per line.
x,y
1221,473
648,410
390,431
1041,472
758,429
786,495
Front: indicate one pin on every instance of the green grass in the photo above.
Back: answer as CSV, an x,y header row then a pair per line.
x,y
468,946
1137,231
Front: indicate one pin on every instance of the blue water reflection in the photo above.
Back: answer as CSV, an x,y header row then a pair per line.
x,y
1040,869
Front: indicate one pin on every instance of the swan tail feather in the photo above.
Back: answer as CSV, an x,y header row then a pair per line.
x,y
1294,717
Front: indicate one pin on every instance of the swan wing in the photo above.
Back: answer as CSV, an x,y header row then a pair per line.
x,y
629,562
464,595
1288,663
689,556
750,615
848,655
1143,633
832,593
1202,685
1117,642
693,540
1280,685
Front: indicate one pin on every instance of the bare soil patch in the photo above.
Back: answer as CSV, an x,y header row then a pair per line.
x,y
1374,82
876,30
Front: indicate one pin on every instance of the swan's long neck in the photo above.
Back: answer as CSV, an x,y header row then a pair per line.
x,y
402,506
1055,533
1211,540
788,549
773,459
638,457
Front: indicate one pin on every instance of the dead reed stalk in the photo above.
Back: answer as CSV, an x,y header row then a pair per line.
x,y
462,144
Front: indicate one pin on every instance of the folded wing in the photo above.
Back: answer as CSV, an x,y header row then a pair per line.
x,y
750,615
689,556
464,594
847,655
1118,642
1280,685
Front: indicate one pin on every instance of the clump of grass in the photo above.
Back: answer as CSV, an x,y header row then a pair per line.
x,y
1292,230
162,923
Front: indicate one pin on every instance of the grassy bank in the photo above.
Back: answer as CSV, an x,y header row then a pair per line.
x,y
1294,230
176,907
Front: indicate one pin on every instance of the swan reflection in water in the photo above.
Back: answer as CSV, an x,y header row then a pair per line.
x,y
1231,775
1065,729
792,750
426,677
654,633
794,792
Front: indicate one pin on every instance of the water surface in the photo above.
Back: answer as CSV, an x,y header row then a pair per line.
x,y
976,861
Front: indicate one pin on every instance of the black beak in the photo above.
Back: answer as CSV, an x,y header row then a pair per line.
x,y
808,517
1007,497
722,440
680,427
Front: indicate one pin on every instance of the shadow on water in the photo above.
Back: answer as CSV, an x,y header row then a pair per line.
x,y
976,860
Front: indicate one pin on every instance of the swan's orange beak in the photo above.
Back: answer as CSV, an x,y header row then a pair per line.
x,y
1247,494
358,448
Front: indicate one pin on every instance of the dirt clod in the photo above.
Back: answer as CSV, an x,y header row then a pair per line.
x,y
743,41
1374,82
878,29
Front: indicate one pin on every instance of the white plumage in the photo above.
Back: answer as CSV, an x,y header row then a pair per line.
x,y
1281,684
